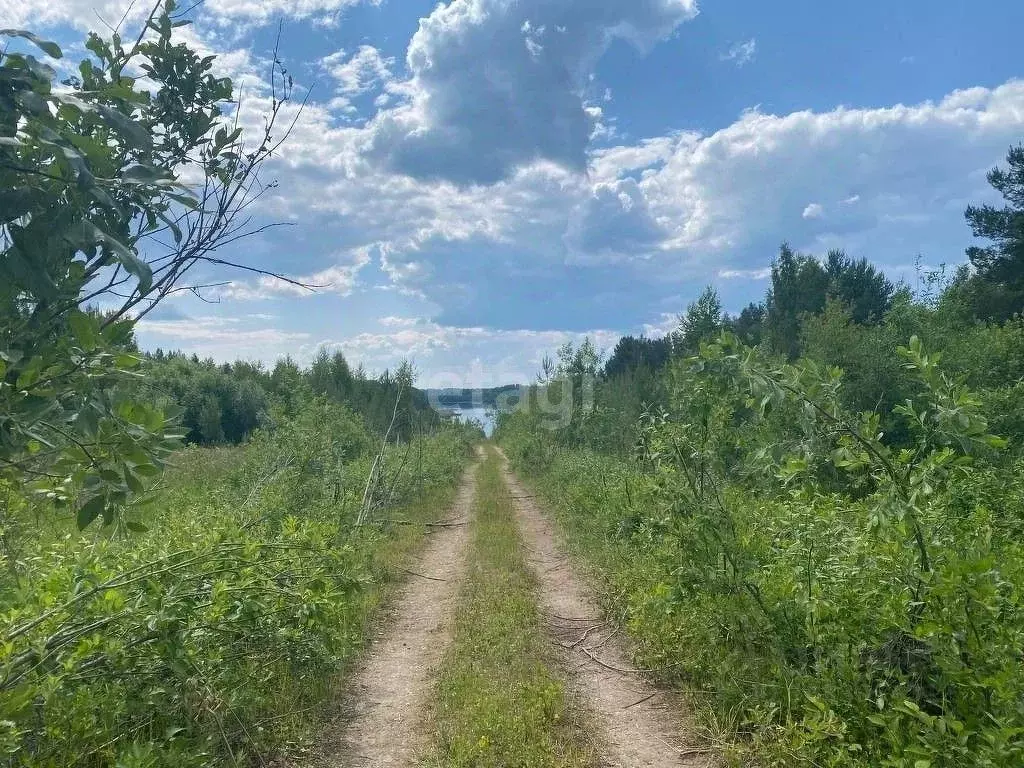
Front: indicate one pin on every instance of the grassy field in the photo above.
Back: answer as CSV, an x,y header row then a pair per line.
x,y
500,701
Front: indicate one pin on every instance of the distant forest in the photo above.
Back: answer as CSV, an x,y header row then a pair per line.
x,y
221,403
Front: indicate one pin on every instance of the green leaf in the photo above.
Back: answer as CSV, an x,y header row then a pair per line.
x,y
186,200
118,333
32,102
134,484
86,231
48,47
172,225
85,329
135,133
36,437
137,457
135,527
88,421
127,361
41,71
75,101
145,174
111,477
90,511
15,203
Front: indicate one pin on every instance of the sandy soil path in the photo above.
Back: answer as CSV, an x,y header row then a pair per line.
x,y
639,725
385,700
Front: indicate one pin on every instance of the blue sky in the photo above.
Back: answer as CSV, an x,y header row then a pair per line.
x,y
481,180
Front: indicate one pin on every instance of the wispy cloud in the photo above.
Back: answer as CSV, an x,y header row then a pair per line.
x,y
664,325
741,54
217,330
364,70
745,274
461,356
339,279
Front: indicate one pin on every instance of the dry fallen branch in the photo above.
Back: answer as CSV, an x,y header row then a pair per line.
x,y
371,502
575,618
422,576
606,640
585,635
646,698
620,670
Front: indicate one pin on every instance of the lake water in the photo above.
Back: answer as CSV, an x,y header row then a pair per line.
x,y
476,414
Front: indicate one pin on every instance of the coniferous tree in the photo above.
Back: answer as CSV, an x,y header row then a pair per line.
x,y
864,290
703,320
1001,264
799,286
749,325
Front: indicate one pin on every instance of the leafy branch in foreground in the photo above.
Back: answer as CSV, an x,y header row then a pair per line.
x,y
113,185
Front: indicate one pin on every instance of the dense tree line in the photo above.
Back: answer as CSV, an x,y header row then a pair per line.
x,y
226,403
487,397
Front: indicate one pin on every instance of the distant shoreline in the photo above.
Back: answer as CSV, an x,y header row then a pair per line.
x,y
460,399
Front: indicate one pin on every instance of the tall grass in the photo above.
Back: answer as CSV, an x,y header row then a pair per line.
x,y
815,669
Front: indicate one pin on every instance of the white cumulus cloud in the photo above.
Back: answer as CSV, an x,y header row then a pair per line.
x,y
614,223
87,14
814,211
738,187
497,85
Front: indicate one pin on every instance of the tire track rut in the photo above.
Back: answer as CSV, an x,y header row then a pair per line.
x,y
381,725
639,725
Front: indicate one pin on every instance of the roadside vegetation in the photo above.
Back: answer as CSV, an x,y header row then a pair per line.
x,y
810,516
501,701
210,624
